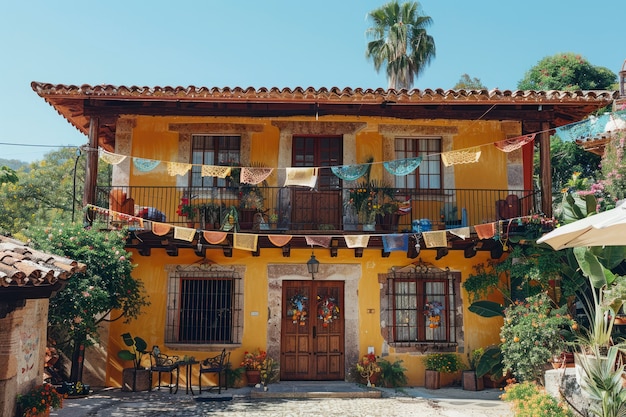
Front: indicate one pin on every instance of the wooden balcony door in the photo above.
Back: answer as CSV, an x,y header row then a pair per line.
x,y
312,347
324,206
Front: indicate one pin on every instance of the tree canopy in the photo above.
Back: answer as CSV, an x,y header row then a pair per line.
x,y
47,190
400,42
468,83
568,72
7,175
567,158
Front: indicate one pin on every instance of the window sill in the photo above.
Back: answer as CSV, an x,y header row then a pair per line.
x,y
408,347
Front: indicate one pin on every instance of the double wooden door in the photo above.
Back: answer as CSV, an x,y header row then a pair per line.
x,y
312,336
323,207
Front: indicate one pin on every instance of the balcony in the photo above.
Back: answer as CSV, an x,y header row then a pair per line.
x,y
299,212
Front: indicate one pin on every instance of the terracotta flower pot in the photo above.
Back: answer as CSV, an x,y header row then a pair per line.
x,y
253,377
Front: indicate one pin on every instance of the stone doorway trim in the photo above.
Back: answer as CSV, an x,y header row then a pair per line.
x,y
349,273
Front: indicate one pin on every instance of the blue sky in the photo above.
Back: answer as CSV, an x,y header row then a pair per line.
x,y
267,43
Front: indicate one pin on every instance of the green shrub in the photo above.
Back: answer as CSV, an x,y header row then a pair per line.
x,y
529,400
392,373
531,335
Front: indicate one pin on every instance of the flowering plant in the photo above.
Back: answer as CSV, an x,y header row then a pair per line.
x,y
369,199
433,310
39,399
185,209
367,366
443,362
251,198
610,187
254,361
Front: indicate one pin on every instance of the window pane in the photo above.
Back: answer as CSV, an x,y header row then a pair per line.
x,y
428,174
406,311
213,150
435,326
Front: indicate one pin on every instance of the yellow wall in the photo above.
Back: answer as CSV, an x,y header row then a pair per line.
x,y
151,139
150,326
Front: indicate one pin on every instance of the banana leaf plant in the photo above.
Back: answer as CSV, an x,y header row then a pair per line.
x,y
137,348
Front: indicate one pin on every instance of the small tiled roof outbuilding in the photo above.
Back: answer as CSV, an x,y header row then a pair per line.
x,y
23,266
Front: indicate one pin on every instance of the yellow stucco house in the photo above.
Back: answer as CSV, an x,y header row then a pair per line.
x,y
268,178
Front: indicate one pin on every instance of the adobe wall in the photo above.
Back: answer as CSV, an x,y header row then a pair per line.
x,y
22,351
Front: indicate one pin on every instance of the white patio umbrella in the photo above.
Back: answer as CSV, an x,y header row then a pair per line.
x,y
607,228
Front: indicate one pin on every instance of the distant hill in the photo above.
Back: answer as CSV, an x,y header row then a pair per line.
x,y
14,164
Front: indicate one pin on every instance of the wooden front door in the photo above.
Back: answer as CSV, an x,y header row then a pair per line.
x,y
312,341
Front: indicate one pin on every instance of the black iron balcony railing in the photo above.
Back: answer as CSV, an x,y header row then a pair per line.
x,y
296,210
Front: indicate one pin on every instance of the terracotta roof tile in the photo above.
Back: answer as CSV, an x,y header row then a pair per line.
x,y
21,265
79,104
309,93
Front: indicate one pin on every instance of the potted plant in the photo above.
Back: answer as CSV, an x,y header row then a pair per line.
x,y
367,201
250,202
471,381
185,209
273,220
369,369
136,378
253,363
438,363
39,400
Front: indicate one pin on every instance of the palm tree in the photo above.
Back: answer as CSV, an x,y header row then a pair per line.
x,y
400,39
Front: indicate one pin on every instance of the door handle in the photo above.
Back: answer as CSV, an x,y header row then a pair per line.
x,y
314,332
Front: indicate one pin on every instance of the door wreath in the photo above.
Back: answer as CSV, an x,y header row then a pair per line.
x,y
327,309
297,309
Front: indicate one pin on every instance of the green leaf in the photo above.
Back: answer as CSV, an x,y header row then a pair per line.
x,y
598,275
126,355
485,308
128,339
140,344
490,362
591,203
610,256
